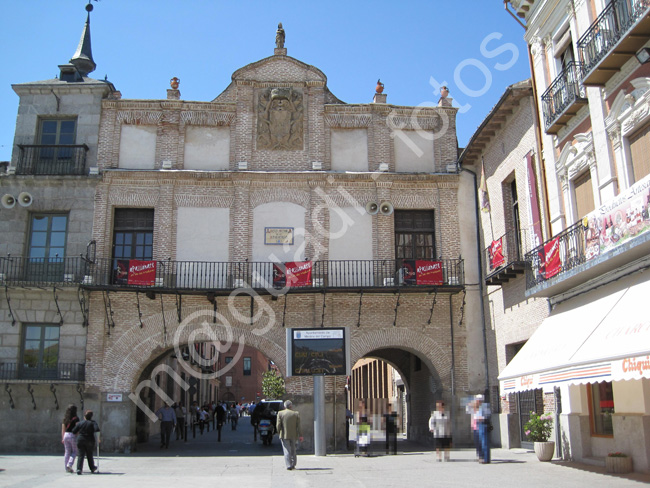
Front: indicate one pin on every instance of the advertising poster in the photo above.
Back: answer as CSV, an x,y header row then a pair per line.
x,y
292,274
496,254
318,351
624,218
552,263
429,273
142,273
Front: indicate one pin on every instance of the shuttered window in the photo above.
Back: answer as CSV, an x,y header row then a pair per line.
x,y
640,151
584,194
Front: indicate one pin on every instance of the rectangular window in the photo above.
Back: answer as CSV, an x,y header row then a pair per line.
x,y
414,234
601,408
53,135
584,193
132,234
40,354
47,238
640,152
247,366
228,360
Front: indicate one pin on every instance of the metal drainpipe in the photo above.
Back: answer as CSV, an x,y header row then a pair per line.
x,y
481,285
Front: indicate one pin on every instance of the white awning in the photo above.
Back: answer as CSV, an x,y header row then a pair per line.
x,y
603,335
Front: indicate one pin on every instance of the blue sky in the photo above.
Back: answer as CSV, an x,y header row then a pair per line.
x,y
474,47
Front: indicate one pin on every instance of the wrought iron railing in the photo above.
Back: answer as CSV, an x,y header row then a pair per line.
x,y
571,253
58,372
202,275
52,159
565,90
610,26
511,247
42,271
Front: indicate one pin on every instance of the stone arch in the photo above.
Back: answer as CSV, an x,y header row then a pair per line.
x,y
135,350
435,357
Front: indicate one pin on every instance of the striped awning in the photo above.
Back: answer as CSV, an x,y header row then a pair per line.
x,y
603,335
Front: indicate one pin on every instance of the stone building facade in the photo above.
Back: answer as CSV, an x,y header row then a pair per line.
x,y
194,202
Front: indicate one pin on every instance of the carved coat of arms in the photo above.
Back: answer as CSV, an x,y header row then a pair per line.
x,y
280,119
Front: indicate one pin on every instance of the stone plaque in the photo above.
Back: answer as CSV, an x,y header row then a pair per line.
x,y
280,119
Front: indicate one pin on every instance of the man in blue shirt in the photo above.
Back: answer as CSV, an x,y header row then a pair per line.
x,y
167,418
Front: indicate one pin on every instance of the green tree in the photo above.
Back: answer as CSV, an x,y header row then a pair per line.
x,y
272,385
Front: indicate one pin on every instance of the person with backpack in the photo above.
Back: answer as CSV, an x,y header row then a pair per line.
x,y
85,431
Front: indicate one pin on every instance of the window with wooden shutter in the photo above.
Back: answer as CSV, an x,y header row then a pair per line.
x,y
584,194
640,151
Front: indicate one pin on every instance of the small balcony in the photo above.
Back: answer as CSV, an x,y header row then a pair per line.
x,y
617,34
224,277
562,100
61,372
505,258
57,160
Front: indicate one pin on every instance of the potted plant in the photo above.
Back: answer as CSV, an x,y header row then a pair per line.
x,y
618,462
538,429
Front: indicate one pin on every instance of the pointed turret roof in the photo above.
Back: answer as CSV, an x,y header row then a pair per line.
x,y
83,57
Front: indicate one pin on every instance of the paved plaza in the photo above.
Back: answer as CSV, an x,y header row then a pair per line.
x,y
239,462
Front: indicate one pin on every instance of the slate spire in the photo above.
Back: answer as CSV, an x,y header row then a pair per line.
x,y
83,57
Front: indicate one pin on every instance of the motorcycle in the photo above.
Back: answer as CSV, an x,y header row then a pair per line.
x,y
266,431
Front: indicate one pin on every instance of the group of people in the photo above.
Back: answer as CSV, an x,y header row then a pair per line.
x,y
78,439
480,421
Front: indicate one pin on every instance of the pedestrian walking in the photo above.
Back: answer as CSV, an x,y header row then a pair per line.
x,y
85,431
68,439
440,427
167,418
181,413
472,410
234,416
220,415
483,417
288,425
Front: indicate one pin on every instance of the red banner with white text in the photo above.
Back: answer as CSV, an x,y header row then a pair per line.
x,y
552,263
292,274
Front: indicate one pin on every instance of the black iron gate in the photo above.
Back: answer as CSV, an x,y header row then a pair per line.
x,y
528,401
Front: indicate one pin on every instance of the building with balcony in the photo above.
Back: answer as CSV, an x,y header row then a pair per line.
x,y
47,195
206,225
589,64
505,151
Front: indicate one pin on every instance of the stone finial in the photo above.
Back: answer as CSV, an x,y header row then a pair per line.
x,y
174,94
380,87
444,100
174,82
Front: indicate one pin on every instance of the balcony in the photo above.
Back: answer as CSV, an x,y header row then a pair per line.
x,y
58,160
505,258
563,98
617,34
581,254
224,277
73,372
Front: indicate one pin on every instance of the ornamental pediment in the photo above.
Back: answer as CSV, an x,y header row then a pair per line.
x,y
279,69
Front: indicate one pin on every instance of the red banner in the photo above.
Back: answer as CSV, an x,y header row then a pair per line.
x,y
552,264
142,273
428,273
293,274
496,254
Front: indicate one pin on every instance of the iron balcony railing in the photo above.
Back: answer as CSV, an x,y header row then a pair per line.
x,y
54,159
570,247
58,372
611,25
565,90
510,248
202,275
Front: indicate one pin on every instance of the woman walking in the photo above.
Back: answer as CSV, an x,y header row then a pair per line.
x,y
68,439
440,426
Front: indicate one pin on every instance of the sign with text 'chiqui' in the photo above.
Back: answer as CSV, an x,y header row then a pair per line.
x,y
323,351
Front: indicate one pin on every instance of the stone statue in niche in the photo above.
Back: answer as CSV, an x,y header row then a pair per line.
x,y
279,119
